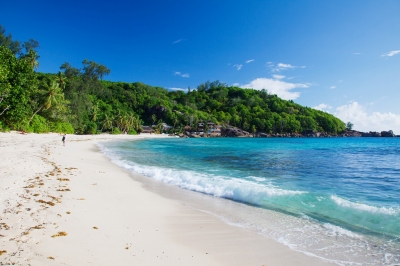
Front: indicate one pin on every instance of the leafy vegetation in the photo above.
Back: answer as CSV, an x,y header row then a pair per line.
x,y
79,100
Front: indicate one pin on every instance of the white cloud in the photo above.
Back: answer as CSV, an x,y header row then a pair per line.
x,y
322,106
356,114
177,73
357,53
392,53
278,76
238,66
177,41
281,66
249,61
276,86
333,87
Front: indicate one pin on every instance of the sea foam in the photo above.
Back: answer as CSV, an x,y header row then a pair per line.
x,y
364,207
219,186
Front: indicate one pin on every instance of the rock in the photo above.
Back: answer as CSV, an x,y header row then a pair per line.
x,y
234,132
388,134
370,134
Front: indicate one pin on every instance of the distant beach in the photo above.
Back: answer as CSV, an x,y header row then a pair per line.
x,y
69,205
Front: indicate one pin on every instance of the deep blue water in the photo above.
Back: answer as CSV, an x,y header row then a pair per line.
x,y
352,183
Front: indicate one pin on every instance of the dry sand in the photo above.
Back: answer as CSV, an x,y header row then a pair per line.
x,y
71,206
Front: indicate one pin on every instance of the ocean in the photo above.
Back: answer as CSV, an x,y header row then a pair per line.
x,y
333,198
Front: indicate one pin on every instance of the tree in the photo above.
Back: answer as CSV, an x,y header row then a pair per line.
x,y
18,84
32,57
159,127
154,118
61,79
93,70
107,122
51,95
349,126
253,129
8,42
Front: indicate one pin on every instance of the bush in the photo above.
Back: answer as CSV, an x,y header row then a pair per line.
x,y
38,124
132,132
91,128
116,131
62,127
4,128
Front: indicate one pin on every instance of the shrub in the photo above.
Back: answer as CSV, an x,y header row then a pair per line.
x,y
116,131
132,132
91,128
4,128
62,127
38,124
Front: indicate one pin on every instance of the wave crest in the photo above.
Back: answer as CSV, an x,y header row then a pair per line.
x,y
364,207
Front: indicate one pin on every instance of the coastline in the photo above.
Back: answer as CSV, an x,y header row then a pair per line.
x,y
108,215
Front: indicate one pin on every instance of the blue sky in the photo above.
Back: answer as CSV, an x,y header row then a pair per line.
x,y
339,56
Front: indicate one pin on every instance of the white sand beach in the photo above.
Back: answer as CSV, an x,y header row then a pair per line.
x,y
69,205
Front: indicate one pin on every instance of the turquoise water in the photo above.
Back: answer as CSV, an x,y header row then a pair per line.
x,y
349,184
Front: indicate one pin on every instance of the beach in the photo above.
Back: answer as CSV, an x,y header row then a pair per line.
x,y
70,205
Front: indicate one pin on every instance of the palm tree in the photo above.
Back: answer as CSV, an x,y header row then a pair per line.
x,y
154,118
61,79
32,57
95,111
107,122
159,127
51,96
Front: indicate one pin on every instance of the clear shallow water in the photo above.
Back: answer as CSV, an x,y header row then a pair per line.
x,y
344,189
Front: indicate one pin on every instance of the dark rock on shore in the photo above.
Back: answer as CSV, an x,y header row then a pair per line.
x,y
234,132
230,131
371,134
388,134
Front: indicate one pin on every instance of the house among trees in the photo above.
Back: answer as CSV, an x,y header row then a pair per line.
x,y
209,128
166,127
147,129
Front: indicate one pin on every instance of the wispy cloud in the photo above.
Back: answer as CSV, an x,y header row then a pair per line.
x,y
238,66
278,76
322,106
249,61
357,53
356,113
281,66
392,53
333,87
177,41
177,73
277,86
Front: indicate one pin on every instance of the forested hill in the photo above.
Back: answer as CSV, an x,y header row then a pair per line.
x,y
79,100
251,110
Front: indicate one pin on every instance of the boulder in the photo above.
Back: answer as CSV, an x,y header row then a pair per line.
x,y
388,134
370,134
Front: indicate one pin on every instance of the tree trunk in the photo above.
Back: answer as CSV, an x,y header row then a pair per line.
x,y
5,110
34,114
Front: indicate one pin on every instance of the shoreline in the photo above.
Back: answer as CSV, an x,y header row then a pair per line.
x,y
110,216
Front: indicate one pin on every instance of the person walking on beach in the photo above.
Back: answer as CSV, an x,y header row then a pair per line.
x,y
63,139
